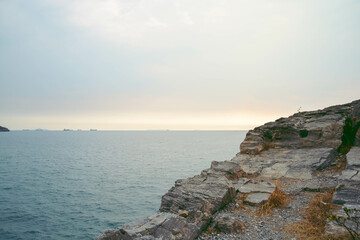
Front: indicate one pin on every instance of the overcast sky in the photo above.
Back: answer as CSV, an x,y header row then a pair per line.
x,y
162,64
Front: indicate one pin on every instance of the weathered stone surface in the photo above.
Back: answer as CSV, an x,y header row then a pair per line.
x,y
253,186
200,193
347,193
161,225
353,158
357,138
315,129
293,163
227,223
353,165
257,198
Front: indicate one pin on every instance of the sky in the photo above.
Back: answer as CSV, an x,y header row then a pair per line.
x,y
174,64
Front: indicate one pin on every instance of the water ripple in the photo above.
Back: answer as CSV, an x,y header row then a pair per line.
x,y
74,185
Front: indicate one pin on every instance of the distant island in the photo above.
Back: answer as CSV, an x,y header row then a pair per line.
x,y
4,129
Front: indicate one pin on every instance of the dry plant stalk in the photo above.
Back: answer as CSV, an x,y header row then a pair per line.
x,y
315,217
278,199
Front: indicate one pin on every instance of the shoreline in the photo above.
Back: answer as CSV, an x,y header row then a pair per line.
x,y
302,153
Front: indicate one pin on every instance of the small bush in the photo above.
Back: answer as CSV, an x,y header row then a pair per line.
x,y
351,222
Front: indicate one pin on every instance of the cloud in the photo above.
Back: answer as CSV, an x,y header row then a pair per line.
x,y
190,57
153,23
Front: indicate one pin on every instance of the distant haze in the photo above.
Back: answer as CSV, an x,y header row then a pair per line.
x,y
121,64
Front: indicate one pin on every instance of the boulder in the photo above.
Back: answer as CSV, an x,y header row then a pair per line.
x,y
206,194
227,223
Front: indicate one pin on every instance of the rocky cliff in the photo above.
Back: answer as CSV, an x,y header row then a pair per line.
x,y
4,129
306,153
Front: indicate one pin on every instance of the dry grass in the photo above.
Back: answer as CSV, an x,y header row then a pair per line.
x,y
278,199
239,206
315,217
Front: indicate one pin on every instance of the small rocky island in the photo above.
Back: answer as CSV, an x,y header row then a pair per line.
x,y
289,178
4,129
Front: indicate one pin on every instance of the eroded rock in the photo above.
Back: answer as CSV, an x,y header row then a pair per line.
x,y
227,223
347,193
200,193
315,129
161,225
353,165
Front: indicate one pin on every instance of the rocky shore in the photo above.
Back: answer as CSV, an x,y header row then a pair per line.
x,y
304,154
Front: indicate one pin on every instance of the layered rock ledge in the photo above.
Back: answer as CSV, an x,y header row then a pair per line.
x,y
307,152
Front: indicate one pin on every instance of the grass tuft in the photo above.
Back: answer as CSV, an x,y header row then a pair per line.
x,y
278,199
312,227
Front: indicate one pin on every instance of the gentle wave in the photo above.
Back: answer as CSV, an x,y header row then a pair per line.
x,y
74,185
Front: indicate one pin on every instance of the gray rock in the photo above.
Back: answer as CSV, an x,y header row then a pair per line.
x,y
253,186
227,223
357,138
204,194
256,198
353,165
294,163
347,193
158,226
348,174
353,158
315,129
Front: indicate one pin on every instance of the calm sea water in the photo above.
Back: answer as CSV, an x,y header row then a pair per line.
x,y
74,185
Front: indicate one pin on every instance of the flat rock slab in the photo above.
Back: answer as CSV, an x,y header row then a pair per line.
x,y
259,186
347,193
257,198
350,174
294,163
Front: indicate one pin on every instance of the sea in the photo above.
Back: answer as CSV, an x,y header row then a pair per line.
x,y
76,184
